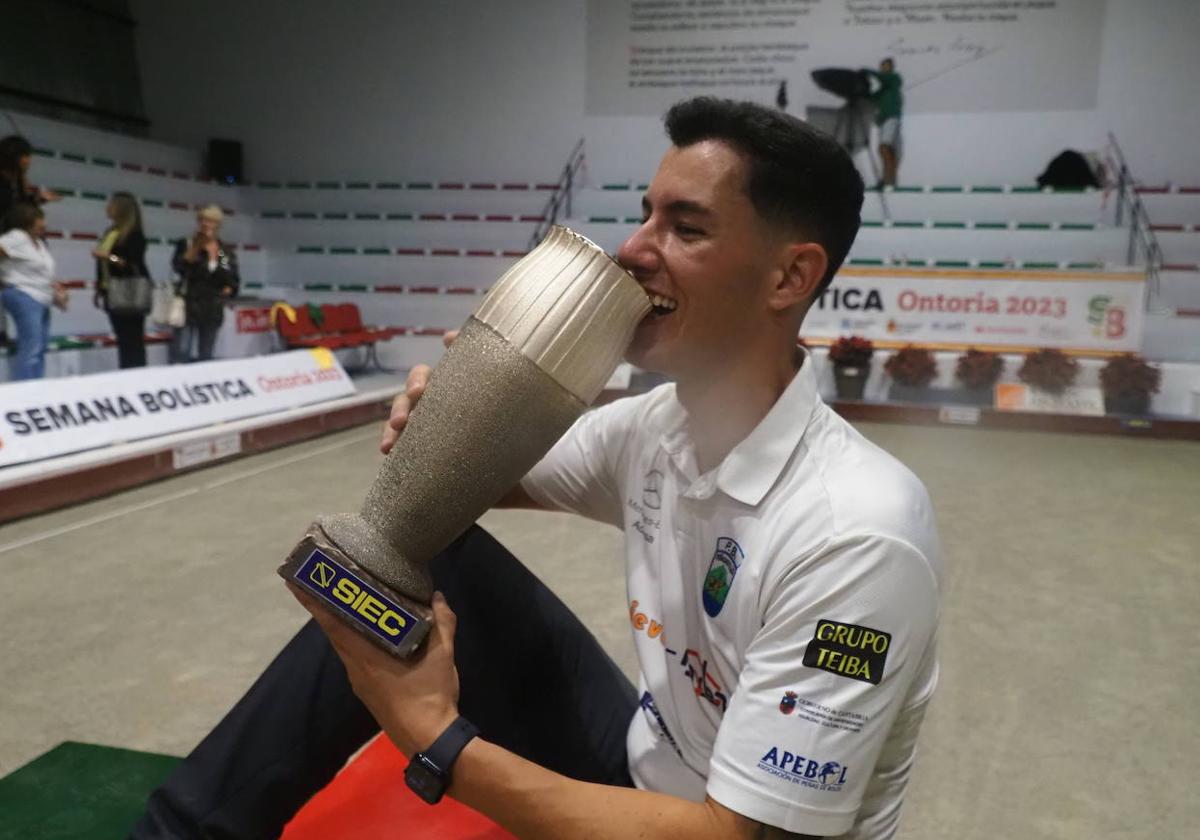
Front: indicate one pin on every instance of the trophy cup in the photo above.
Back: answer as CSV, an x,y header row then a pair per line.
x,y
524,367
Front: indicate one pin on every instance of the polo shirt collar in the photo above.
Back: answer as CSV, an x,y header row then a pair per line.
x,y
752,467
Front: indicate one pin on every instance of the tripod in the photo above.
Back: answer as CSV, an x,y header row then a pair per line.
x,y
853,131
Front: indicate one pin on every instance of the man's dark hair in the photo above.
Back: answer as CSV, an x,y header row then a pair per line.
x,y
797,177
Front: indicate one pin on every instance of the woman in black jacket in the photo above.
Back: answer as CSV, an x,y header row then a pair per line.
x,y
122,257
207,275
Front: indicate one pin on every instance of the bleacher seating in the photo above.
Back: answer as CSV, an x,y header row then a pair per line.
x,y
420,253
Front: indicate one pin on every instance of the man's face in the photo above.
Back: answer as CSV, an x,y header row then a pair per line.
x,y
885,66
701,253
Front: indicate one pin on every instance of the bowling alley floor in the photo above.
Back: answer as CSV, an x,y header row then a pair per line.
x,y
1067,707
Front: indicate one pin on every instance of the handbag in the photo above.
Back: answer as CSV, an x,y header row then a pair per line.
x,y
129,295
169,308
177,316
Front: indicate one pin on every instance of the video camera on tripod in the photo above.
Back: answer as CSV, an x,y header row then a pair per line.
x,y
851,126
843,82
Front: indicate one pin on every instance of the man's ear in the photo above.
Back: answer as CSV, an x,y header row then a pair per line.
x,y
803,266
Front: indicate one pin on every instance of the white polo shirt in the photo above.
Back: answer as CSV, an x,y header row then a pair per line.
x,y
784,606
28,266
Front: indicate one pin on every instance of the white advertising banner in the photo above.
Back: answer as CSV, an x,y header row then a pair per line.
x,y
964,55
1001,310
50,417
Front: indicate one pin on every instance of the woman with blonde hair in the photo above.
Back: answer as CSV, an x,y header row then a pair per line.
x,y
207,274
123,284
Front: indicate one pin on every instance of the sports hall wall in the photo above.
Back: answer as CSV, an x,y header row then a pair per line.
x,y
460,89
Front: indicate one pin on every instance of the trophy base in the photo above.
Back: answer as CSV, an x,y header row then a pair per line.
x,y
394,622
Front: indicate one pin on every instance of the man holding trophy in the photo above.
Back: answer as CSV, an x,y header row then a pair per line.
x,y
783,573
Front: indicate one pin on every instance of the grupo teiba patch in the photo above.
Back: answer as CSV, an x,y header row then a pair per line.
x,y
848,650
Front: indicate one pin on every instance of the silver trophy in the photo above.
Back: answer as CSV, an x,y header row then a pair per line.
x,y
525,366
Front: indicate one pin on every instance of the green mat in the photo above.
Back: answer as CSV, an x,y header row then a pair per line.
x,y
79,792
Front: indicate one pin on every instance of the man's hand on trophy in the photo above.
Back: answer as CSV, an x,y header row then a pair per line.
x,y
404,403
414,700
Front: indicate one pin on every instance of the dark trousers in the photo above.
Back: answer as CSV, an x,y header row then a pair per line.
x,y
202,337
130,330
532,678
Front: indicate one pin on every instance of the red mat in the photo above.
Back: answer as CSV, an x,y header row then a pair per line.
x,y
369,799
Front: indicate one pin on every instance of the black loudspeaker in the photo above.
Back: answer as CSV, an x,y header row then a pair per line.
x,y
225,161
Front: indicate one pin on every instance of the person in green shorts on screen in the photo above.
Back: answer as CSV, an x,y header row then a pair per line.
x,y
889,103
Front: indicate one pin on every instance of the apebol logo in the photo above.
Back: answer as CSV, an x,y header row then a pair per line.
x,y
828,776
726,560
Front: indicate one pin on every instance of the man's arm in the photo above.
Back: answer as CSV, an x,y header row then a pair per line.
x,y
415,700
535,803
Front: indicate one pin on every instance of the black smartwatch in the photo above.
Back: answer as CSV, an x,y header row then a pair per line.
x,y
428,774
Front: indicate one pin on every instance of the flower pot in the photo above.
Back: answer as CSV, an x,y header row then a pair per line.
x,y
1137,404
918,394
970,396
850,382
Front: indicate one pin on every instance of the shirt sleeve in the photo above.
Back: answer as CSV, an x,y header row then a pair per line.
x,y
18,245
581,473
844,634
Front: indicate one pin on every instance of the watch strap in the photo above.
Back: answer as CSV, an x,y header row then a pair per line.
x,y
450,743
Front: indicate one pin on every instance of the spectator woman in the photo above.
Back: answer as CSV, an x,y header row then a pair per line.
x,y
29,289
123,283
16,153
207,275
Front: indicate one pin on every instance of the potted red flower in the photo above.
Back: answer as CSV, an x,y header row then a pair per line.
x,y
1128,381
978,371
1049,370
851,359
911,368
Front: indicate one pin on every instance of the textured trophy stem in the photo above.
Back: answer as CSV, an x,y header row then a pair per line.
x,y
488,414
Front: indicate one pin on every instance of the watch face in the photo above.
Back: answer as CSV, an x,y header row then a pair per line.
x,y
424,779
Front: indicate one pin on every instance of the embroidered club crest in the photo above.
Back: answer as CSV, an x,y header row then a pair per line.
x,y
726,560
